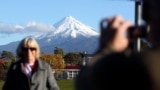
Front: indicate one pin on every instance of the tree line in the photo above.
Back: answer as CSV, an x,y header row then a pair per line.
x,y
58,60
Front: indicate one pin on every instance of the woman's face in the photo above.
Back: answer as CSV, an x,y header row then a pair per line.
x,y
29,54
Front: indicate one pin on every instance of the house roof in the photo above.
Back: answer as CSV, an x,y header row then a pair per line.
x,y
72,67
1,60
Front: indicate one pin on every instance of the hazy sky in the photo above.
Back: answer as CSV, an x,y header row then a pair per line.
x,y
35,16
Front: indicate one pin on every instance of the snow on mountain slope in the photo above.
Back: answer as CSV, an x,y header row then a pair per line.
x,y
73,27
70,27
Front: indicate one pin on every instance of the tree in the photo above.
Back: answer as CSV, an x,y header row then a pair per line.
x,y
83,54
7,64
56,61
6,55
58,51
2,66
73,58
2,71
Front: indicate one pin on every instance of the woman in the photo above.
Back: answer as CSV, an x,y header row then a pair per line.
x,y
29,72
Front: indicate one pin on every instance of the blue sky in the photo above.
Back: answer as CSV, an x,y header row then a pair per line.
x,y
15,14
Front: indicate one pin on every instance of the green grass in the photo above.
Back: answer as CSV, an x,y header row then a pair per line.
x,y
63,84
1,84
66,84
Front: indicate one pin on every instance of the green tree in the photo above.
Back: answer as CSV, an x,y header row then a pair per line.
x,y
73,58
59,51
83,54
6,55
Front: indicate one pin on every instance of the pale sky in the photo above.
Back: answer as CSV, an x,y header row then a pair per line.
x,y
35,16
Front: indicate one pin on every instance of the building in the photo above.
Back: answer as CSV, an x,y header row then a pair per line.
x,y
71,70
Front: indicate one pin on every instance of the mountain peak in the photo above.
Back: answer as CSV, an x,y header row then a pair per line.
x,y
69,18
69,26
66,20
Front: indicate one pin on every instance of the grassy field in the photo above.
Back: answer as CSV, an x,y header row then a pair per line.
x,y
63,84
66,84
1,85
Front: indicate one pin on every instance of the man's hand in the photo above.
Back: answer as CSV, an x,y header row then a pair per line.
x,y
114,36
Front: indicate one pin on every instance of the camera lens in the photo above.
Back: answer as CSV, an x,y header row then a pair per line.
x,y
137,32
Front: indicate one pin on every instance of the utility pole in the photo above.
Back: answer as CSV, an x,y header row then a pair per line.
x,y
84,58
138,8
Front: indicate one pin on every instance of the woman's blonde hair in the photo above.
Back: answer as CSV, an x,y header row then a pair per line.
x,y
28,42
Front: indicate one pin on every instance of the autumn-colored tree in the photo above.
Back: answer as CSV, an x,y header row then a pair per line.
x,y
7,64
55,60
2,66
2,71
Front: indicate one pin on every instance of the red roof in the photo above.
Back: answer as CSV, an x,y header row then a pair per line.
x,y
72,67
1,60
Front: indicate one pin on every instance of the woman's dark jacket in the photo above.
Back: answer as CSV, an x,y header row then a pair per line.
x,y
42,78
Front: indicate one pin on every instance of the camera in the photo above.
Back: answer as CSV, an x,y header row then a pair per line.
x,y
137,32
133,32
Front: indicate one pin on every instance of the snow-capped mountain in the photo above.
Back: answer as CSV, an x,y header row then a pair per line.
x,y
69,34
70,27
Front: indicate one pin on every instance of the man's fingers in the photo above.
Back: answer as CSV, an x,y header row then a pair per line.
x,y
124,27
117,21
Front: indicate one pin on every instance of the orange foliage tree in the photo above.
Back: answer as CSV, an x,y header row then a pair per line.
x,y
2,71
55,60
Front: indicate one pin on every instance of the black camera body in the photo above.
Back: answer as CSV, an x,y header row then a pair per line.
x,y
133,32
137,32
